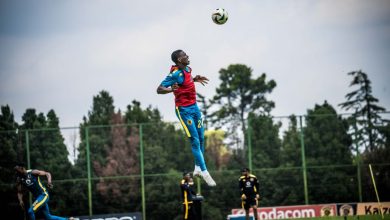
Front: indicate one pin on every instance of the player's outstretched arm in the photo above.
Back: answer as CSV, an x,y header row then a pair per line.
x,y
201,79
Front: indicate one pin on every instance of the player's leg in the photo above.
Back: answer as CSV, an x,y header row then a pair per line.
x,y
39,202
200,130
255,212
246,214
46,212
193,212
186,120
195,145
245,205
31,214
254,207
197,115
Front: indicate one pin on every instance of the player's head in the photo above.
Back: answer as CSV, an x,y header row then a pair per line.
x,y
186,175
245,171
180,57
20,168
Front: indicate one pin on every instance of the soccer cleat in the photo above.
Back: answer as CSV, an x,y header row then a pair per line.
x,y
207,177
197,171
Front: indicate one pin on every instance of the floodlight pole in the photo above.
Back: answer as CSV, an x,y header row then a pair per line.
x,y
28,159
359,178
88,170
249,145
141,146
303,162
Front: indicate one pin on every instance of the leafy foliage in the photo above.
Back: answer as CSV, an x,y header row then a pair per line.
x,y
237,95
115,141
327,142
266,144
11,152
216,149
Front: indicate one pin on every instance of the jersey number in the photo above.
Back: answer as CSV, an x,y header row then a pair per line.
x,y
200,123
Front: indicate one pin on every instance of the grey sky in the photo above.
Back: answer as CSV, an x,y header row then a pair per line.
x,y
59,54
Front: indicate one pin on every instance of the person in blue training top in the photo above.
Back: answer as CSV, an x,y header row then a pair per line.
x,y
181,83
30,179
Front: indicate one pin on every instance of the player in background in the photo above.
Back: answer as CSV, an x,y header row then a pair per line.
x,y
31,180
249,189
187,193
181,83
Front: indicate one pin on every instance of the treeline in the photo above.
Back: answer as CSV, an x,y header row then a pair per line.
x,y
239,120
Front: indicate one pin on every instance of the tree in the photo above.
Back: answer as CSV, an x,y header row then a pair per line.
x,y
290,188
11,152
327,143
203,106
237,95
266,144
9,137
379,158
291,147
122,160
366,110
266,151
216,149
97,122
135,114
155,154
47,148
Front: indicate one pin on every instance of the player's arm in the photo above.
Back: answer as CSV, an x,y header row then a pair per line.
x,y
184,185
201,79
191,186
19,193
241,186
169,84
257,188
43,173
164,90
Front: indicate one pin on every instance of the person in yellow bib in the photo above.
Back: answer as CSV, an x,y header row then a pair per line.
x,y
187,195
249,189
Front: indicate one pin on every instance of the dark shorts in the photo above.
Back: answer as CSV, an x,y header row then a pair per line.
x,y
249,202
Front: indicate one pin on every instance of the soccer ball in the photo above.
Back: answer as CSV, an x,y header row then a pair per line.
x,y
220,16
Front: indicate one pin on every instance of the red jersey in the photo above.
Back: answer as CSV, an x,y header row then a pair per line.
x,y
185,95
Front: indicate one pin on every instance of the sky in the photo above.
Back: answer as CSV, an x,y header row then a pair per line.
x,y
59,54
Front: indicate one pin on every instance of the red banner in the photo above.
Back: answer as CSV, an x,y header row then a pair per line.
x,y
302,211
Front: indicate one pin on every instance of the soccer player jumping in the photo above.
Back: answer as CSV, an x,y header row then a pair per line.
x,y
181,83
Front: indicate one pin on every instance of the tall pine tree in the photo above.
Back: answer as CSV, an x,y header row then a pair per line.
x,y
366,110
